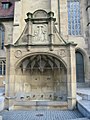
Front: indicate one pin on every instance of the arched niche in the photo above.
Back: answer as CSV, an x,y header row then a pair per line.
x,y
41,77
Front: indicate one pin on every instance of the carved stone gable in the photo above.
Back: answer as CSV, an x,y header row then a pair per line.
x,y
40,30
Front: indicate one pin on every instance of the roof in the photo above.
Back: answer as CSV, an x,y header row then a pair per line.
x,y
7,13
5,1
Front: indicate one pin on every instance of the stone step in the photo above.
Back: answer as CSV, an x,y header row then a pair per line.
x,y
80,119
40,105
83,85
84,93
84,96
84,107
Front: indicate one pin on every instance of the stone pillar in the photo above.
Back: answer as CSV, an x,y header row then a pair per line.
x,y
7,72
84,17
63,18
71,76
29,31
10,74
88,24
54,8
17,21
51,27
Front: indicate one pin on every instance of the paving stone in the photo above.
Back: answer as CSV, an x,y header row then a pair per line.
x,y
80,119
41,115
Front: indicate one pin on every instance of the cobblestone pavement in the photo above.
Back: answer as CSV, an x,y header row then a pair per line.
x,y
41,115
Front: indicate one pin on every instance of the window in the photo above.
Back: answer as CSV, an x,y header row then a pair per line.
x,y
74,25
2,35
6,5
2,67
79,67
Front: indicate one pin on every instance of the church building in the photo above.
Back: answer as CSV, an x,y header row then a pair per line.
x,y
44,52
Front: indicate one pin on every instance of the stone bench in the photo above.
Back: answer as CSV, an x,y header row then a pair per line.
x,y
84,107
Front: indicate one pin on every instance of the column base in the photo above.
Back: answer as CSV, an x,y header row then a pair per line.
x,y
71,103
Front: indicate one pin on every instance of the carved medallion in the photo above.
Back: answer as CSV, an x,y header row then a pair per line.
x,y
61,52
18,53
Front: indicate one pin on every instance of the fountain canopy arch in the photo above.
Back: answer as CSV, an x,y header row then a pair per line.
x,y
43,77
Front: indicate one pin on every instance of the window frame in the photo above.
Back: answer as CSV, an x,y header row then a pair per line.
x,y
2,36
2,67
6,5
80,67
80,22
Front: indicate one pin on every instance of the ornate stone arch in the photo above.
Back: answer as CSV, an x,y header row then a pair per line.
x,y
45,72
37,53
82,51
40,14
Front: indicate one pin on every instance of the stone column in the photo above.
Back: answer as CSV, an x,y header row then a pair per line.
x,y
51,29
71,76
84,17
10,74
7,72
54,8
29,31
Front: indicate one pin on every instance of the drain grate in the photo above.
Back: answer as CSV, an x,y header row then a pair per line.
x,y
39,115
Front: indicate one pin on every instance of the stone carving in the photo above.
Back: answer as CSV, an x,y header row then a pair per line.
x,y
27,87
40,33
40,14
18,53
61,52
17,18
9,38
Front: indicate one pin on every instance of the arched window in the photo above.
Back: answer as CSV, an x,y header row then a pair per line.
x,y
2,36
79,67
74,23
2,67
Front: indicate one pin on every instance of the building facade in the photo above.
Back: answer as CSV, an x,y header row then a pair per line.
x,y
45,52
